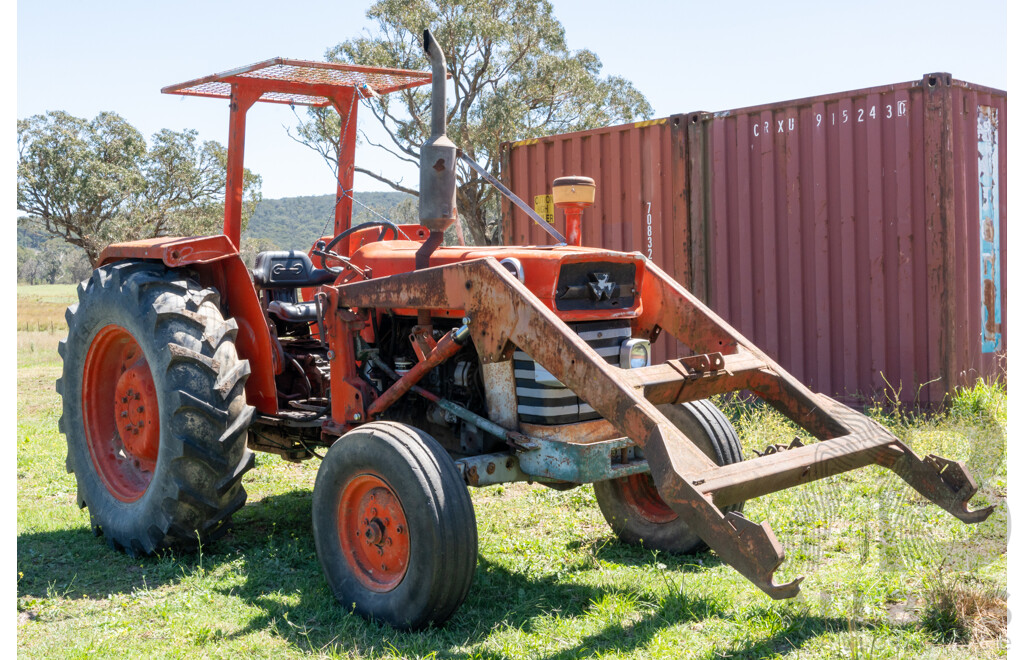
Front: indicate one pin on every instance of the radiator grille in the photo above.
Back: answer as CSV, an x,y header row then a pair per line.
x,y
541,403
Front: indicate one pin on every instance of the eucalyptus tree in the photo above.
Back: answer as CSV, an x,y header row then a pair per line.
x,y
93,182
513,75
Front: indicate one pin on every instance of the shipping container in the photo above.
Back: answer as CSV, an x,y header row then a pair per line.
x,y
859,238
633,166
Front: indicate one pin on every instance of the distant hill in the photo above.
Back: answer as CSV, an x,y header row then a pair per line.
x,y
295,222
31,238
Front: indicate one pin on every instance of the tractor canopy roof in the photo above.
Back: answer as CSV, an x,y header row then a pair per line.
x,y
299,82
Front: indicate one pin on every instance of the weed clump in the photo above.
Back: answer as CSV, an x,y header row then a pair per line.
x,y
960,611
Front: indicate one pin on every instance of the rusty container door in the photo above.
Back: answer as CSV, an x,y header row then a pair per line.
x,y
635,206
860,238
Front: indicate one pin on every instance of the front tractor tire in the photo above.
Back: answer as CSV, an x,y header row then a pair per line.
x,y
154,408
394,526
634,509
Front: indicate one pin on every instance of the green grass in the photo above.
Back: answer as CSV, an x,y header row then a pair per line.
x,y
886,575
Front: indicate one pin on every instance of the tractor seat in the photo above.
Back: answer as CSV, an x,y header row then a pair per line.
x,y
287,269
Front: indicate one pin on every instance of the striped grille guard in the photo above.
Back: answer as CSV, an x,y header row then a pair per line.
x,y
544,400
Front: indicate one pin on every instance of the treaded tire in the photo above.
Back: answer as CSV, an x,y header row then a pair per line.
x,y
632,506
419,484
198,382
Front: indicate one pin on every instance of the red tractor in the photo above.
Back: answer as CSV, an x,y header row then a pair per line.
x,y
423,369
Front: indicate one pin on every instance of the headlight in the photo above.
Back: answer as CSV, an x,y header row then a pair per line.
x,y
635,353
515,267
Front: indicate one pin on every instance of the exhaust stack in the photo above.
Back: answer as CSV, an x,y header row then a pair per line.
x,y
437,161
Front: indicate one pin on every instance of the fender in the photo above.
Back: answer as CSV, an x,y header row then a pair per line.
x,y
216,262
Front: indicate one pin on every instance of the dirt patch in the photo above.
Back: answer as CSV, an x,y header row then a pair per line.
x,y
905,612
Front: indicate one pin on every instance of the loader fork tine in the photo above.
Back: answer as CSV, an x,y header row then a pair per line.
x,y
945,483
749,547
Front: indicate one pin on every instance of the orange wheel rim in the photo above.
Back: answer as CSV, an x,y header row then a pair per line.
x,y
642,497
374,533
121,414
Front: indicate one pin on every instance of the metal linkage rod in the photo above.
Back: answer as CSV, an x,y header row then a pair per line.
x,y
523,206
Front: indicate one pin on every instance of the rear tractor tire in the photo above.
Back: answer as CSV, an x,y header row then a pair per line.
x,y
634,509
394,526
154,408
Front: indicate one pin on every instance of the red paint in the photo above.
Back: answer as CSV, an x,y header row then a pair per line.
x,y
374,532
540,270
347,106
123,454
242,98
173,251
239,301
573,224
640,494
137,411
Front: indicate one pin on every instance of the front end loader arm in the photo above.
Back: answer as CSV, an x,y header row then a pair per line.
x,y
504,314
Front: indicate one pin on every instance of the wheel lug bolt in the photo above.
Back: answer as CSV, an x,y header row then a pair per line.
x,y
140,423
137,396
141,409
124,413
399,529
124,399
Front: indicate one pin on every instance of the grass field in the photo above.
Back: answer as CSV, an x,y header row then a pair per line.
x,y
886,575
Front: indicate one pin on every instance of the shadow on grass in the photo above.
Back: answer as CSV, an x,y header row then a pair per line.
x,y
271,547
610,549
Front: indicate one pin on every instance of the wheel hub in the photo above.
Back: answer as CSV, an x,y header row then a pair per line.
x,y
642,496
134,408
373,532
121,413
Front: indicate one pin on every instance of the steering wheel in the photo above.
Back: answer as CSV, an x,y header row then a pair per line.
x,y
328,249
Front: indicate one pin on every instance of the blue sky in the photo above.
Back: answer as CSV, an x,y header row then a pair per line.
x,y
116,55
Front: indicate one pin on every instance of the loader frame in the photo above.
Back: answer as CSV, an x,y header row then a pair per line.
x,y
503,314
